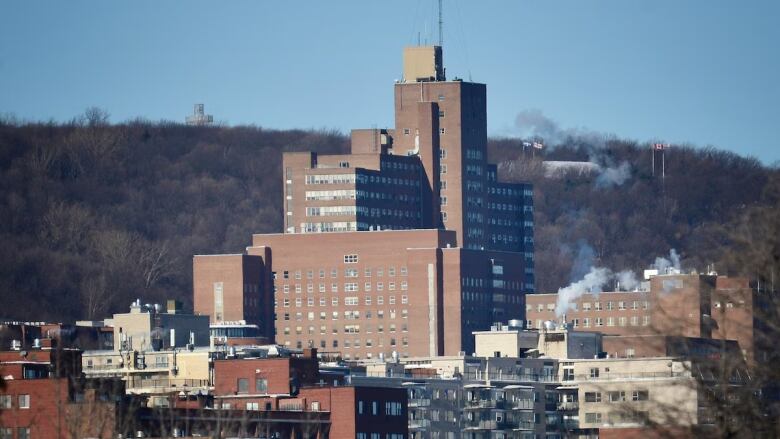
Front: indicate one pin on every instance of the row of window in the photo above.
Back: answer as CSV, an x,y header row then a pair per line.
x,y
618,417
618,396
355,344
21,433
348,272
586,306
349,287
330,179
337,226
397,165
349,315
380,212
361,435
22,401
331,211
343,194
598,322
509,192
392,408
347,329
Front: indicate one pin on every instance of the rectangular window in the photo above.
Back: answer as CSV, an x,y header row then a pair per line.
x,y
24,401
350,259
261,385
593,418
23,433
243,385
594,372
6,433
640,395
5,402
592,396
616,396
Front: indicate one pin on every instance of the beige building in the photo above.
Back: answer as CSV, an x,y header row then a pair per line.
x,y
551,341
626,393
149,328
154,372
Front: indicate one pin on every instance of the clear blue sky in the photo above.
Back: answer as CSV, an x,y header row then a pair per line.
x,y
704,72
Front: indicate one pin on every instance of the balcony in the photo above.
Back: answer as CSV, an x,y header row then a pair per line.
x,y
612,376
134,383
419,402
484,404
419,424
481,425
520,404
568,406
525,426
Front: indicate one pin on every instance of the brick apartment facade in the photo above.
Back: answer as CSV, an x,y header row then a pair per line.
x,y
683,305
42,396
294,384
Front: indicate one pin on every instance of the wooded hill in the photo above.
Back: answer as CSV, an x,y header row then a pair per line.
x,y
95,215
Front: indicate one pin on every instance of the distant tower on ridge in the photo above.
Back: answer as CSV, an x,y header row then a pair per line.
x,y
199,117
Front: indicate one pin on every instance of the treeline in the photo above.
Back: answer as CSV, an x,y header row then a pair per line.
x,y
95,215
625,214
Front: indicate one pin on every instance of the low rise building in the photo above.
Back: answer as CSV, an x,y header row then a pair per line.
x,y
293,383
42,395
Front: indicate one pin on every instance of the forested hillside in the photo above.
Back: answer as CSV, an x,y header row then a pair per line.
x,y
95,215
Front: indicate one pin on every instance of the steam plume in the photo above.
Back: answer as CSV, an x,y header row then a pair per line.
x,y
627,280
614,176
593,282
662,264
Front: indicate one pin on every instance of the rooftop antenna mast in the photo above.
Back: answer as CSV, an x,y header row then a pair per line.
x,y
441,26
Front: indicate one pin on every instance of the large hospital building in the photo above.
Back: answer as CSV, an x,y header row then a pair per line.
x,y
405,245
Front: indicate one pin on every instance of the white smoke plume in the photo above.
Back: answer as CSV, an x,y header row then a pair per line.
x,y
583,261
596,278
663,265
532,123
627,280
614,175
593,282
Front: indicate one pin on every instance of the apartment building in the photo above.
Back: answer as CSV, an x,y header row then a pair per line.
x,y
676,304
43,396
472,397
263,385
